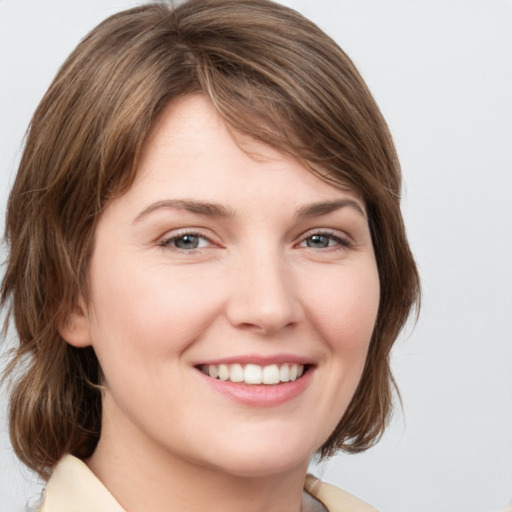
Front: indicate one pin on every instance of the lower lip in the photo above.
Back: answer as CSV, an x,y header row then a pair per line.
x,y
261,395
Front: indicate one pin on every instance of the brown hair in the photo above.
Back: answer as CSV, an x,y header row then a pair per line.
x,y
271,74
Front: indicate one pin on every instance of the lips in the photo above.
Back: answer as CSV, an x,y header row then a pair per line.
x,y
259,381
254,374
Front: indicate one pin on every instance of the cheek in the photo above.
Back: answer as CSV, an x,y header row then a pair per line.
x,y
345,308
150,314
343,311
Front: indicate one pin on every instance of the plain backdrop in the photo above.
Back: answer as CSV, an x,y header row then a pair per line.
x,y
441,71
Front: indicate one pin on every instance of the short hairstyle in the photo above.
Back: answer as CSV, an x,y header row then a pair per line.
x,y
272,75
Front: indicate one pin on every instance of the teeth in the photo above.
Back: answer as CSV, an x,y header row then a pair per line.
x,y
213,371
284,373
271,374
253,373
223,372
236,373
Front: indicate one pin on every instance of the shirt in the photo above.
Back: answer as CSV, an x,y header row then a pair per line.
x,y
73,487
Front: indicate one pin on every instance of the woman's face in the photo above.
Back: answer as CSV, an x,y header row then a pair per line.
x,y
233,297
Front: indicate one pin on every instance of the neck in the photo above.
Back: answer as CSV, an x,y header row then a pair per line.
x,y
143,476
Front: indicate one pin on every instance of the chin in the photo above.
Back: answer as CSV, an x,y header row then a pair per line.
x,y
265,458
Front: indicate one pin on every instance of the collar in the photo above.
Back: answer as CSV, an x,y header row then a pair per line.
x,y
73,487
335,499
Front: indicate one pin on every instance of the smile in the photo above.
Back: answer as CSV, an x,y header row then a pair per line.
x,y
254,374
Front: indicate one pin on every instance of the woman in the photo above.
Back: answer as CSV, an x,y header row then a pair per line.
x,y
208,265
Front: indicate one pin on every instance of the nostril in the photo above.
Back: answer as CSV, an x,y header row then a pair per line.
x,y
266,327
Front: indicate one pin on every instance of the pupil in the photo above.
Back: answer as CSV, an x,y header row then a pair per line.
x,y
318,241
187,242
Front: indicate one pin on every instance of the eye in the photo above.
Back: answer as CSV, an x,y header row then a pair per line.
x,y
186,242
324,241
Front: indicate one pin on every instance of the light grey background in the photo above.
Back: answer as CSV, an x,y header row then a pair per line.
x,y
441,71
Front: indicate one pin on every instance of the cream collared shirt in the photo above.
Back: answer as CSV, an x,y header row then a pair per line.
x,y
73,487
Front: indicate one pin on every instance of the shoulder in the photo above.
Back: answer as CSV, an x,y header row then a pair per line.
x,y
335,499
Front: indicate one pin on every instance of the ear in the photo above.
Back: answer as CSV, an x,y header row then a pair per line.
x,y
75,328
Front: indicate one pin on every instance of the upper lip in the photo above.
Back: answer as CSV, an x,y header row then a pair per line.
x,y
259,360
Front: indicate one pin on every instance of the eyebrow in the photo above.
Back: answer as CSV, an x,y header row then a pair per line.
x,y
198,207
323,208
217,210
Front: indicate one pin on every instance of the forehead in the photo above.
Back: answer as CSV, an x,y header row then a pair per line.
x,y
191,142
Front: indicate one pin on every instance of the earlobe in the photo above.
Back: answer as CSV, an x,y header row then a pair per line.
x,y
75,328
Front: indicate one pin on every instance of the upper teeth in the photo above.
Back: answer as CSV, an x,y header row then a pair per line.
x,y
253,373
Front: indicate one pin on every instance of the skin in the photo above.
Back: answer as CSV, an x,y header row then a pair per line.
x,y
270,277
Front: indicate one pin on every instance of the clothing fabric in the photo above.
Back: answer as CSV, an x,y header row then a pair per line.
x,y
73,487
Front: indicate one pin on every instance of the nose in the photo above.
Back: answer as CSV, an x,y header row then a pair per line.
x,y
263,295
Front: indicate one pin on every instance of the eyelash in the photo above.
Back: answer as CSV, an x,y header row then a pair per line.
x,y
339,242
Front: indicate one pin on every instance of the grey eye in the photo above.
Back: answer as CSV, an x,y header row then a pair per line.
x,y
187,242
318,241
